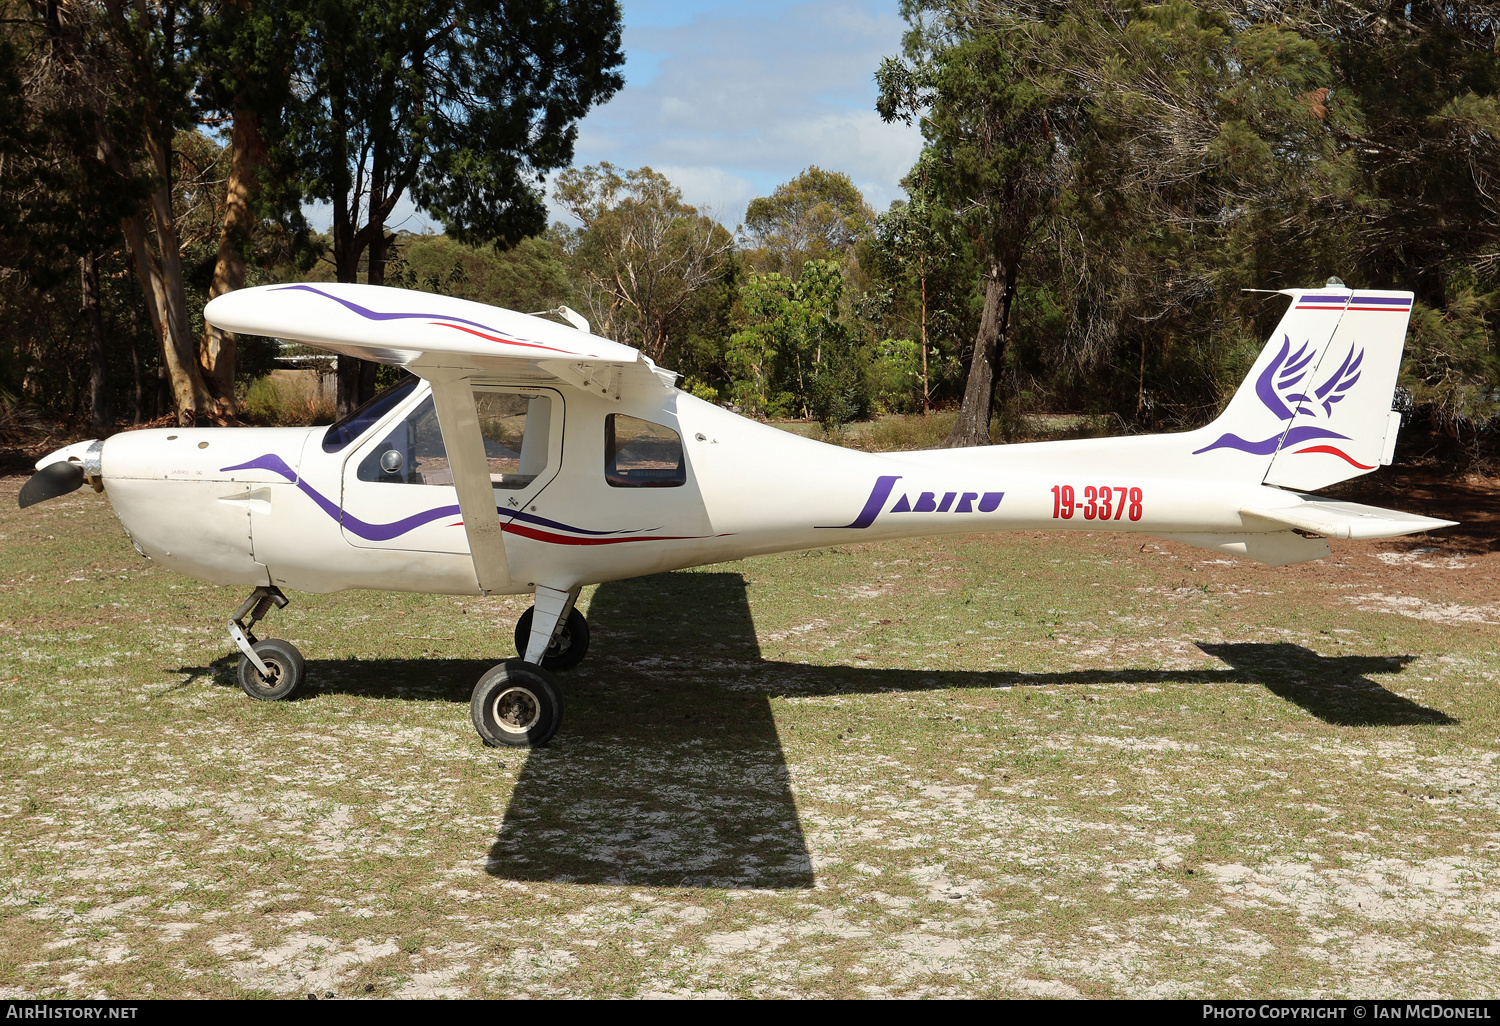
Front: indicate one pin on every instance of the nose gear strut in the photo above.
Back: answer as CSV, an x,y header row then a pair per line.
x,y
257,605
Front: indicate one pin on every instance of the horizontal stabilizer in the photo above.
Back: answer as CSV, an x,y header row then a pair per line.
x,y
1332,518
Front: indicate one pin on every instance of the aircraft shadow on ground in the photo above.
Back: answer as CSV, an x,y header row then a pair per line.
x,y
669,770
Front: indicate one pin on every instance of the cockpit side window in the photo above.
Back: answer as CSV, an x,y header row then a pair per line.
x,y
640,454
515,429
412,453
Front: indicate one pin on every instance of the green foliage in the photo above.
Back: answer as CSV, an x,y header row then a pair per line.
x,y
794,341
398,96
530,276
819,215
1451,366
285,399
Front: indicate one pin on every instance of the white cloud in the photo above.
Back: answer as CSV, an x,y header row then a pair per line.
x,y
734,95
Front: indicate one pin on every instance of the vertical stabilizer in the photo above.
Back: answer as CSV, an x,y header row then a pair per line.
x,y
1342,424
1315,408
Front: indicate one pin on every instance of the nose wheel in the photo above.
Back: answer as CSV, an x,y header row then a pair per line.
x,y
285,670
271,670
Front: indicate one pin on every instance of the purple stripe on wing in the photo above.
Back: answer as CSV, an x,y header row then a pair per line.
x,y
376,315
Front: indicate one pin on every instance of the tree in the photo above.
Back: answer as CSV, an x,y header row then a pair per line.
x,y
991,148
248,81
465,105
819,215
64,201
1163,151
916,243
641,252
152,45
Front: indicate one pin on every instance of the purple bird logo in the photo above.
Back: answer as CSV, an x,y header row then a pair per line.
x,y
1286,389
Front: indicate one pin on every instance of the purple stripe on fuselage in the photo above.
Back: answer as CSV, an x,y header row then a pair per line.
x,y
530,519
270,461
385,532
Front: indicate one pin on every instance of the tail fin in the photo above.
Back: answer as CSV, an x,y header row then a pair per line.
x,y
1317,403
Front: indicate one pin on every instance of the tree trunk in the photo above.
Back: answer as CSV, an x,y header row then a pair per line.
x,y
973,427
135,370
166,303
99,413
218,349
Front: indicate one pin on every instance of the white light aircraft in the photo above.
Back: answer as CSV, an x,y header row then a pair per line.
x,y
525,455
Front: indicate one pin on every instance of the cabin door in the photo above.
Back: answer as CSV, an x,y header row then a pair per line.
x,y
398,486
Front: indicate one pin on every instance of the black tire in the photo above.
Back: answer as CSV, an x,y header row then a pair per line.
x,y
516,705
569,645
288,671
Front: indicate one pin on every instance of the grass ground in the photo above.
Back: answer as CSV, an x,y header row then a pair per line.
x,y
1004,765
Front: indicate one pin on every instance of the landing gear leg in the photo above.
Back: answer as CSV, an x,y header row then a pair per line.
x,y
553,633
270,669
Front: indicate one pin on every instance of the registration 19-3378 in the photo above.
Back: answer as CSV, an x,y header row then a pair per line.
x,y
1104,502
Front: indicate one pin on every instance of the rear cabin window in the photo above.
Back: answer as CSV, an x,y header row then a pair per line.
x,y
640,454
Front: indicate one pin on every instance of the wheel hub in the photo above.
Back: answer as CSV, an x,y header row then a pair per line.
x,y
515,710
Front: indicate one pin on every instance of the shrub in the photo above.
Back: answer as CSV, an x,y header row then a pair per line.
x,y
286,399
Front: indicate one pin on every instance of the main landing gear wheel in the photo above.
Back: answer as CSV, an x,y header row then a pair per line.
x,y
569,645
287,667
516,705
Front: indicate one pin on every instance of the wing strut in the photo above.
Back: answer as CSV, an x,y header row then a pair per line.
x,y
453,398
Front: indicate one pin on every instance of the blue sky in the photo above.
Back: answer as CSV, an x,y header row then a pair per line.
x,y
730,99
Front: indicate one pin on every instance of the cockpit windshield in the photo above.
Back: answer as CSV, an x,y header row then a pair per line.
x,y
357,423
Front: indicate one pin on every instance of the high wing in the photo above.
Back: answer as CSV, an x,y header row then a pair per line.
x,y
454,344
418,330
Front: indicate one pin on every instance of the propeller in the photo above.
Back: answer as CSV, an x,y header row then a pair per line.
x,y
51,481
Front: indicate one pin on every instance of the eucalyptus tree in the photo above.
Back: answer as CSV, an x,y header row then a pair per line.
x,y
992,153
641,254
1163,151
818,215
66,183
464,106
